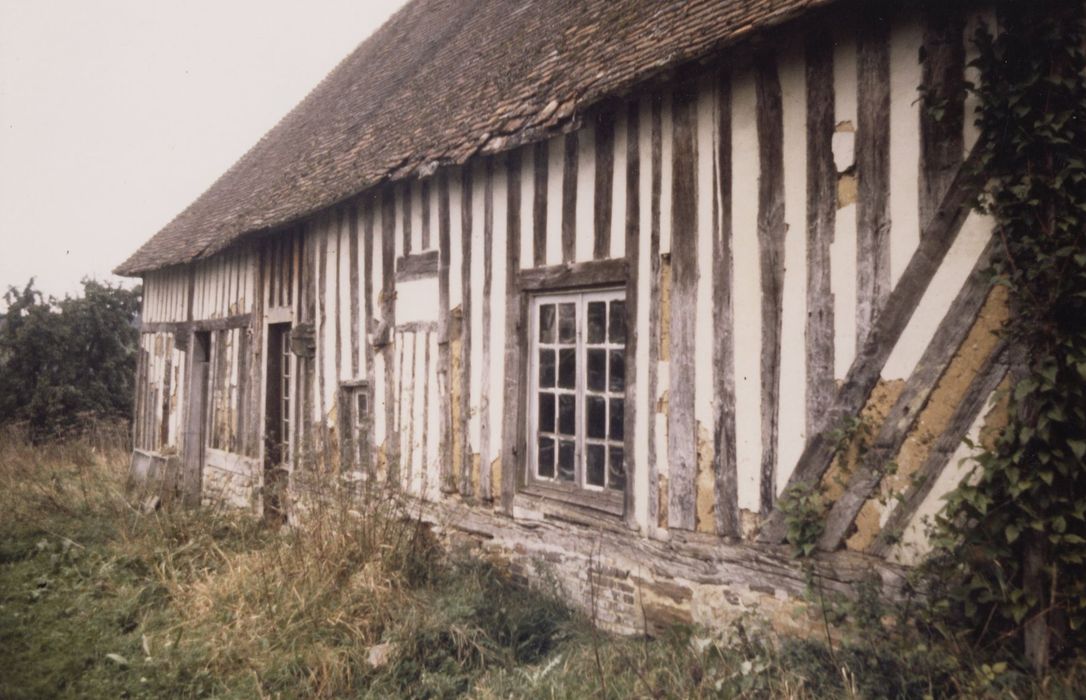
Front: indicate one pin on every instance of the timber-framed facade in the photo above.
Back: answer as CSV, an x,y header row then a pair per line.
x,y
613,324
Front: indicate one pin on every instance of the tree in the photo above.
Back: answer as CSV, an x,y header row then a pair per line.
x,y
65,364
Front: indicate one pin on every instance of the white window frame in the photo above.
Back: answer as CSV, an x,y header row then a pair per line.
x,y
602,496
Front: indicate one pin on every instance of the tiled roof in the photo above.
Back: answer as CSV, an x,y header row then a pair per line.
x,y
439,82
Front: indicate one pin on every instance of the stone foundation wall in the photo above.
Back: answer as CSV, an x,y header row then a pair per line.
x,y
631,585
231,488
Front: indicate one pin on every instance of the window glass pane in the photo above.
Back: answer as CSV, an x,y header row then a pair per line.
x,y
618,370
567,323
616,472
567,368
567,414
546,323
597,369
615,419
617,328
546,412
594,466
597,319
546,368
546,458
597,416
565,460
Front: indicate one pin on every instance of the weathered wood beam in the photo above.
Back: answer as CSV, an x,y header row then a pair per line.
x,y
942,103
902,417
872,169
466,486
444,369
682,427
771,234
540,162
387,300
821,220
725,465
485,487
656,139
569,199
605,172
582,274
514,398
866,368
987,379
417,266
354,290
210,324
633,235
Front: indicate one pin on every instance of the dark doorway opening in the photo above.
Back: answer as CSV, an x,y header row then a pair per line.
x,y
277,422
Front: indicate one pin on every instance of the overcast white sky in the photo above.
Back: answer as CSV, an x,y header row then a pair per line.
x,y
116,114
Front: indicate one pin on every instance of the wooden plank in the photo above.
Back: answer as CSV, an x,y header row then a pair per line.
x,y
902,417
406,192
569,199
340,215
539,204
488,274
388,314
920,485
417,266
633,234
444,368
821,223
604,181
682,427
656,139
352,252
255,429
370,205
942,103
725,465
322,358
516,341
771,234
210,324
425,203
584,274
309,315
466,487
866,368
872,170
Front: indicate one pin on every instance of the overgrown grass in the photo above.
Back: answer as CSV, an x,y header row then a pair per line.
x,y
100,600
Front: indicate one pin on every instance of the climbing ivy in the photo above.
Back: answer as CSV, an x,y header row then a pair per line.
x,y
1011,557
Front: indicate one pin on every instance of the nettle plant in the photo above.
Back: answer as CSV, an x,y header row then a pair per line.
x,y
1014,533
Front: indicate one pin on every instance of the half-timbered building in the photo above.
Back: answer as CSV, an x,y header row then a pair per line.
x,y
592,284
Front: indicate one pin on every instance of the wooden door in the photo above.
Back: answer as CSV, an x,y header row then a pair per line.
x,y
196,419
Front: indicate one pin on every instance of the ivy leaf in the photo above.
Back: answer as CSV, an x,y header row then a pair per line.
x,y
1012,532
1078,447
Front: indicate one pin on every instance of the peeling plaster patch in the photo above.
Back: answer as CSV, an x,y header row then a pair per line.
x,y
874,412
936,414
496,477
847,191
843,145
704,485
749,522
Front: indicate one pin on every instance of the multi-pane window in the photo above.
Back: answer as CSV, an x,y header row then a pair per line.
x,y
578,384
355,420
